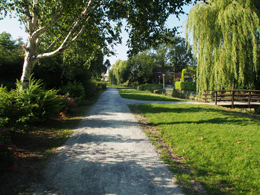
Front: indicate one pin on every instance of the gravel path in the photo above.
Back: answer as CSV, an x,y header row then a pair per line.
x,y
108,154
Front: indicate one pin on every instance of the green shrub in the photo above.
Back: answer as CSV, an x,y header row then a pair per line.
x,y
36,103
183,74
68,105
90,90
8,153
190,86
135,85
102,86
21,107
159,91
149,87
177,85
74,90
8,109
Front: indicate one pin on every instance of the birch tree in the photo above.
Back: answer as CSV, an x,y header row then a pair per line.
x,y
225,38
57,24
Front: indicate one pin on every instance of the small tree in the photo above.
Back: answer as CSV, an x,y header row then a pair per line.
x,y
183,75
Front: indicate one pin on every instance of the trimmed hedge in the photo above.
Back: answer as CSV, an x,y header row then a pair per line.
x,y
189,86
149,87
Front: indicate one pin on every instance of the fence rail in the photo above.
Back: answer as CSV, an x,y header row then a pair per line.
x,y
238,97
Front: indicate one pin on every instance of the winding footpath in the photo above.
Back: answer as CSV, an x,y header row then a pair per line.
x,y
108,154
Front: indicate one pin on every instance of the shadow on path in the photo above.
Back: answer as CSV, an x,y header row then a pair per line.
x,y
107,154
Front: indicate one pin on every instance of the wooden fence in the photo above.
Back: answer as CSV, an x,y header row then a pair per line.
x,y
234,98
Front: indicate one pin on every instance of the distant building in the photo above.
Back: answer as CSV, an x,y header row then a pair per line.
x,y
105,78
158,74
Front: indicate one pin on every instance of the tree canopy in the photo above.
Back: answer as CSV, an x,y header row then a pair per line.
x,y
225,38
57,24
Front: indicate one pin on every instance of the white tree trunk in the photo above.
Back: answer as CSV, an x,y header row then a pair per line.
x,y
29,61
27,70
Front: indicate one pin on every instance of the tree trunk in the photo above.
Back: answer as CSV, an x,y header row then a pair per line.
x,y
29,61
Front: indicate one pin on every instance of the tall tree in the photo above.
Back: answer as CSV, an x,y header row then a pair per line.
x,y
179,55
11,59
56,24
225,38
142,66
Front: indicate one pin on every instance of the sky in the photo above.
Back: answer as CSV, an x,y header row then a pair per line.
x,y
13,27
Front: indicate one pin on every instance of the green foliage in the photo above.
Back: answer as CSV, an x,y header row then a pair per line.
x,y
159,91
149,87
140,67
36,103
225,39
74,90
11,60
7,105
137,69
189,86
68,105
102,85
96,25
180,54
21,107
135,84
8,152
183,74
53,72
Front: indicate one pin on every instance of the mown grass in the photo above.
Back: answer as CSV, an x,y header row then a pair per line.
x,y
130,93
37,146
220,148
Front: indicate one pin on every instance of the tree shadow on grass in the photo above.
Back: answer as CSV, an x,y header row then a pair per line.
x,y
179,108
148,97
225,121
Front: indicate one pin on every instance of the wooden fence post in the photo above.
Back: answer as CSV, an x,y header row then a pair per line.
x,y
249,100
216,97
233,94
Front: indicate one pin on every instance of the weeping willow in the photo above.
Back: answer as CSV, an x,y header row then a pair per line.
x,y
225,41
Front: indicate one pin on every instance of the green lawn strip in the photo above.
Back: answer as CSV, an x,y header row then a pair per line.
x,y
130,93
220,147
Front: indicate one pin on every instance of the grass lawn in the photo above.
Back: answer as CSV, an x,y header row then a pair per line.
x,y
217,148
36,147
130,93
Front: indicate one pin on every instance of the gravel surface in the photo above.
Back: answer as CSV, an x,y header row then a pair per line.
x,y
108,154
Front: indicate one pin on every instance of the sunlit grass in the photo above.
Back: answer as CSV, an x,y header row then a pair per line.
x,y
222,148
130,93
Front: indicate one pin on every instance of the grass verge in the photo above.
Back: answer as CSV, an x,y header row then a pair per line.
x,y
36,147
130,93
210,150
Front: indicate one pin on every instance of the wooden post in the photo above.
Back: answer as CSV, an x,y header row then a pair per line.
x,y
205,96
216,97
249,100
233,94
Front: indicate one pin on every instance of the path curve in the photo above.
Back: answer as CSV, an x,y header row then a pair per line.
x,y
108,154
